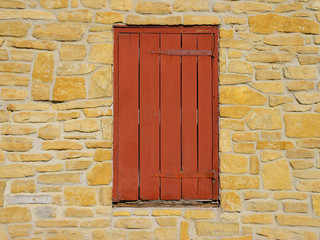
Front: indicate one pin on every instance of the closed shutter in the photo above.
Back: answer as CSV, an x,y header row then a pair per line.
x,y
166,113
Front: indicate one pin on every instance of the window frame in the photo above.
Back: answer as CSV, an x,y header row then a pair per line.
x,y
215,73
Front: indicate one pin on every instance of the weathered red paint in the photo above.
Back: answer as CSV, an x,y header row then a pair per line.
x,y
166,113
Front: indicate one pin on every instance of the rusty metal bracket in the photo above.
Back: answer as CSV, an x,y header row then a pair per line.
x,y
185,52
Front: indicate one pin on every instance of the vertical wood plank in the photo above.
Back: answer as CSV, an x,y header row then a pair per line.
x,y
149,117
189,116
215,107
205,151
128,116
116,117
170,117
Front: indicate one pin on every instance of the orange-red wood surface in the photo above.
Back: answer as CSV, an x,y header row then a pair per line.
x,y
170,73
149,117
166,114
128,116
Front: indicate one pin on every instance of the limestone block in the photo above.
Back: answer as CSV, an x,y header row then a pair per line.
x,y
140,235
49,168
45,212
276,175
59,31
268,155
107,128
68,69
29,199
153,7
20,186
13,4
19,230
32,44
301,164
307,98
56,223
29,106
302,72
217,229
302,125
69,88
263,118
309,143
316,204
67,115
100,37
290,195
257,218
300,153
232,124
275,145
238,66
221,7
75,16
143,20
288,7
315,5
241,95
33,117
71,52
268,75
270,23
233,163
190,5
78,165
309,185
14,67
100,174
245,137
2,188
110,17
29,157
228,79
62,145
279,233
83,125
54,4
27,14
244,148
235,44
167,221
13,80
49,132
101,53
95,4
224,141
262,206
40,91
239,182
251,7
16,144
234,111
254,165
295,207
133,223
165,233
101,83
167,212
105,196
59,178
199,214
297,220
43,68
96,223
284,40
231,202
94,113
78,212
296,108
308,60
235,20
13,94
15,129
14,29
275,100
80,196
311,174
255,194
269,57
14,215
122,5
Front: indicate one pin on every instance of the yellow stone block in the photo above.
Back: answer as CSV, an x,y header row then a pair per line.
x,y
71,52
295,207
49,132
153,7
95,4
100,174
17,129
231,202
59,178
289,195
80,196
239,182
33,44
14,29
16,144
217,229
269,57
14,67
233,163
297,220
143,20
54,4
14,215
251,7
122,5
69,88
12,4
301,164
262,206
109,17
276,175
270,23
168,233
228,79
257,219
244,148
29,157
19,186
101,83
75,16
133,223
241,95
101,53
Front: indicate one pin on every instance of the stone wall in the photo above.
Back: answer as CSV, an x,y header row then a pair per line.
x,y
56,60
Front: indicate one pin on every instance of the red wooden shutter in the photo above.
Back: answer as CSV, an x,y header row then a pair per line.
x,y
166,113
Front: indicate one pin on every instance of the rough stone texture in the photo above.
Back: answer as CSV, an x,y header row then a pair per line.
x,y
56,80
276,175
69,88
